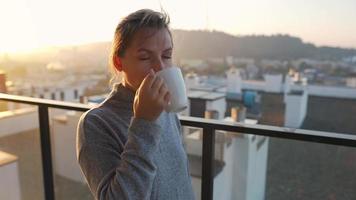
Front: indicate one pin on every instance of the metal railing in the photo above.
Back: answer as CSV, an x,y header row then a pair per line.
x,y
209,126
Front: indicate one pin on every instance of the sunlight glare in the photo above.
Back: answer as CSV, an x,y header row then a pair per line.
x,y
18,32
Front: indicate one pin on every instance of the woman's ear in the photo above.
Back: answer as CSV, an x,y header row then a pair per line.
x,y
117,63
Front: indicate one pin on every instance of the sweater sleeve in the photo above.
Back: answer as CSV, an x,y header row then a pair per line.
x,y
114,172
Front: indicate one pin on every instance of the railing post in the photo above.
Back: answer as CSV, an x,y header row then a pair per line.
x,y
47,168
207,186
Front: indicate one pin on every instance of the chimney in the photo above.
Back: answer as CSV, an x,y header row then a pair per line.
x,y
234,81
191,80
238,114
83,99
3,88
211,114
4,106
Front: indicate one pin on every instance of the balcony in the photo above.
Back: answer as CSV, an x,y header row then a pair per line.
x,y
301,163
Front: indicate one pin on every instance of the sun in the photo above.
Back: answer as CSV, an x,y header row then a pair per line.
x,y
18,33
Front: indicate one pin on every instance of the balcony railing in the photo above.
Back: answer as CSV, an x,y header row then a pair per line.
x,y
209,126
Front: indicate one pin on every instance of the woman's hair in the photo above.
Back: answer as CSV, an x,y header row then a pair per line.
x,y
127,28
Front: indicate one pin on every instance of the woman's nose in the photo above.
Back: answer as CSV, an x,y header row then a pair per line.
x,y
158,65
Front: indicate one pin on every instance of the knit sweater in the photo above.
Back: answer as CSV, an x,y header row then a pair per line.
x,y
123,157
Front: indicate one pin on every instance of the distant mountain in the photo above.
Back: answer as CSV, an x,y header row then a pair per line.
x,y
204,44
188,45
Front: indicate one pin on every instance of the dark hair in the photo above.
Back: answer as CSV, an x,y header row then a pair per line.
x,y
127,28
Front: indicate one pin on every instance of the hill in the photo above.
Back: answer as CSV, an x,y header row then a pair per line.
x,y
203,44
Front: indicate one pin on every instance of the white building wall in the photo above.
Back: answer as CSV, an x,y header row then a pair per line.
x,y
273,83
9,171
47,95
253,85
218,105
257,169
234,81
240,175
293,105
223,182
296,109
304,106
191,80
250,166
63,134
287,86
351,82
14,106
68,93
313,90
27,118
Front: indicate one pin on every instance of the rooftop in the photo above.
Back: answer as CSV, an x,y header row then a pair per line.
x,y
303,169
295,168
210,96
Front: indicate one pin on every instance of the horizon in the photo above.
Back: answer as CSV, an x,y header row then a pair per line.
x,y
66,23
46,48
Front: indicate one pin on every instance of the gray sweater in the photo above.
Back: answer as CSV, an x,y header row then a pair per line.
x,y
123,157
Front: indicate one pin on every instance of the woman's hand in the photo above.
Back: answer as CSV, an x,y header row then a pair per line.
x,y
151,98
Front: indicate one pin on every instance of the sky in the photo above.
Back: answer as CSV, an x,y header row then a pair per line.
x,y
30,24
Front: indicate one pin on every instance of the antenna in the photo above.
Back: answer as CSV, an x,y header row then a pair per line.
x,y
160,5
207,25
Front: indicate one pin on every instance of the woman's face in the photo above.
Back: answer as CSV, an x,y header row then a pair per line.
x,y
149,49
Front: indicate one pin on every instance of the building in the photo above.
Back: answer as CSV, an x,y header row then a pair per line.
x,y
247,166
241,160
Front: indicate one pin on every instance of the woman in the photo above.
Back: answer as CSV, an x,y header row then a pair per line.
x,y
129,147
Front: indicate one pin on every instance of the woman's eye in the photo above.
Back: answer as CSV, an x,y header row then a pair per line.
x,y
144,58
167,56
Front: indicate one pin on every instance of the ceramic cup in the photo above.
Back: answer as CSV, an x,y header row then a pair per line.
x,y
173,78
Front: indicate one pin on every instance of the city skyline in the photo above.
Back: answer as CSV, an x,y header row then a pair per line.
x,y
30,24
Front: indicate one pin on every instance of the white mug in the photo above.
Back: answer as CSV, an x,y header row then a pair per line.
x,y
173,78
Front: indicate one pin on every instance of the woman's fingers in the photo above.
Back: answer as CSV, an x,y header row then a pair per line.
x,y
163,89
151,97
156,85
167,97
148,80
